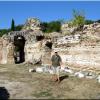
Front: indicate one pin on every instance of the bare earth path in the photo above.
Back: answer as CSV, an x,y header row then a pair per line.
x,y
24,85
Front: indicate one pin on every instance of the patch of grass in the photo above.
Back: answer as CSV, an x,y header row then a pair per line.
x,y
43,94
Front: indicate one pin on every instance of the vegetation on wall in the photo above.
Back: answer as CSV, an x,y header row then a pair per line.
x,y
18,27
5,31
78,19
53,26
87,22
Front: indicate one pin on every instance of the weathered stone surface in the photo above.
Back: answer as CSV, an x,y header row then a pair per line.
x,y
30,32
5,42
82,57
32,24
67,30
33,52
46,57
10,53
74,49
68,39
4,55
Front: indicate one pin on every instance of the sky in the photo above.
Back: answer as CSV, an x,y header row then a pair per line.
x,y
45,10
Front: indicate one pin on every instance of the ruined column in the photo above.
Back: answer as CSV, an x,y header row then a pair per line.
x,y
4,50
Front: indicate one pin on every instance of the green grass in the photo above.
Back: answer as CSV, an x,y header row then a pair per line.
x,y
43,94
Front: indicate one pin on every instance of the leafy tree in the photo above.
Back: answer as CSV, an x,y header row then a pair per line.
x,y
4,31
44,26
53,26
18,27
89,22
98,21
13,25
78,18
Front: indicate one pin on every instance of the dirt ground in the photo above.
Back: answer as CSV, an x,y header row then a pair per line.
x,y
21,84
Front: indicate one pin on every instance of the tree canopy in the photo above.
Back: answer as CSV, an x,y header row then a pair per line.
x,y
78,18
89,22
5,31
53,26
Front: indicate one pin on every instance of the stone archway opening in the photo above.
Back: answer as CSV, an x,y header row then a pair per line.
x,y
19,54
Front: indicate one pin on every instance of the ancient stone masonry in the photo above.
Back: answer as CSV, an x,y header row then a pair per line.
x,y
33,52
67,30
4,44
10,53
23,46
82,49
32,24
46,52
30,45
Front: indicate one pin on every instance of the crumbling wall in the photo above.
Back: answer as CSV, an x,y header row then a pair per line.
x,y
38,53
33,52
4,50
10,53
81,56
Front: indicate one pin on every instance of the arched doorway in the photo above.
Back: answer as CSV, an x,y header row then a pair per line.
x,y
19,43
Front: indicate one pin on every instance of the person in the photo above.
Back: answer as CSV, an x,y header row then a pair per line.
x,y
56,64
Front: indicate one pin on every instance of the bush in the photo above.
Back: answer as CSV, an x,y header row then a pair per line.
x,y
78,19
18,27
89,22
54,26
4,31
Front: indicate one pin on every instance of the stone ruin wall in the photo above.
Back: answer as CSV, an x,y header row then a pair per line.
x,y
83,55
35,51
79,56
87,58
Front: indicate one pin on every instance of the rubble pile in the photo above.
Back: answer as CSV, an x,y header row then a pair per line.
x,y
67,70
89,34
32,24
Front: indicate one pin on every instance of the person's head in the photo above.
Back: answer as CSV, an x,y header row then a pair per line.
x,y
56,53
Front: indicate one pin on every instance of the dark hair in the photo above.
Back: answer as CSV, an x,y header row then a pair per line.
x,y
56,52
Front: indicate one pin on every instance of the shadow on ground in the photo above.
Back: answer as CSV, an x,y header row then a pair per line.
x,y
4,94
63,77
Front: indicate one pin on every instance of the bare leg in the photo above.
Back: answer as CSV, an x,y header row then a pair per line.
x,y
58,78
53,77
